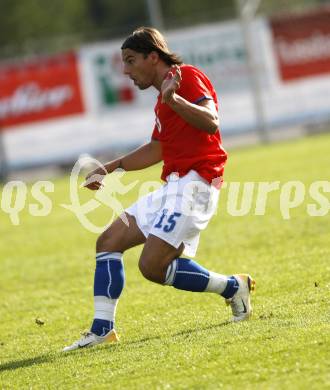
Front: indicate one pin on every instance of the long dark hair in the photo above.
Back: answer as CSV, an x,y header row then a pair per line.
x,y
147,39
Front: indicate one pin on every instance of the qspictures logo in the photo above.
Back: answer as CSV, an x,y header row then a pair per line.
x,y
108,196
238,198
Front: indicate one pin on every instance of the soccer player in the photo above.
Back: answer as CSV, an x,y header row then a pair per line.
x,y
167,221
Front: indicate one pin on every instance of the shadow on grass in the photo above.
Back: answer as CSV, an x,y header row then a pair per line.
x,y
185,332
15,364
195,330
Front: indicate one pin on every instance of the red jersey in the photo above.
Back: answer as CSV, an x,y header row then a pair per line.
x,y
185,147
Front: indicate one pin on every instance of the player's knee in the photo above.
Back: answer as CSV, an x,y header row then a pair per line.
x,y
150,272
101,242
109,241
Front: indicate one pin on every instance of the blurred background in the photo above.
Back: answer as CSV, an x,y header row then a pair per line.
x,y
63,94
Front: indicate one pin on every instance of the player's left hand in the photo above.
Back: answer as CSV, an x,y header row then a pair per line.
x,y
171,83
94,179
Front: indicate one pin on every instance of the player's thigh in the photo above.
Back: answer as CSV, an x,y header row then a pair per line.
x,y
156,256
119,237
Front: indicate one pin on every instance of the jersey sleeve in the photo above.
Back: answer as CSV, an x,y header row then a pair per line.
x,y
192,87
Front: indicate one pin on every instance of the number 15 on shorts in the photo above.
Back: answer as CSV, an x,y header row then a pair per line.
x,y
167,223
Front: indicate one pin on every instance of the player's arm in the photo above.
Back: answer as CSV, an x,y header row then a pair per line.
x,y
203,116
140,158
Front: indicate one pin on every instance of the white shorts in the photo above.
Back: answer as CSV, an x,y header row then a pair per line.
x,y
177,211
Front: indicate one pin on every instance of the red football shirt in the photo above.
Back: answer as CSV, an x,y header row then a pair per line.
x,y
185,147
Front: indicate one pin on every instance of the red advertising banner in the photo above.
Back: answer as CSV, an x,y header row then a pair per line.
x,y
302,44
41,89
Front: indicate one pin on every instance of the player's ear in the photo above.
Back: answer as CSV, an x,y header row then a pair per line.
x,y
154,56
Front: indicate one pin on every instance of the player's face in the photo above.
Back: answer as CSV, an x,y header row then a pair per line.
x,y
139,68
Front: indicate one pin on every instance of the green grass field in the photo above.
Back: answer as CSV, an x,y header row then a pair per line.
x,y
172,339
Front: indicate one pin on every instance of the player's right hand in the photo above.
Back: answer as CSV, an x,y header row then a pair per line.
x,y
94,179
171,83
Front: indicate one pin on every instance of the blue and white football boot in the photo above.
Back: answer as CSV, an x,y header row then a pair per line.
x,y
90,339
241,303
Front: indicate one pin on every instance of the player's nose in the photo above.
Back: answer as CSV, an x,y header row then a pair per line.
x,y
126,70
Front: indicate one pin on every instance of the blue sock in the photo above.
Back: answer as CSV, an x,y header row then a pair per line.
x,y
108,284
231,288
186,274
101,327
